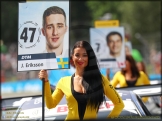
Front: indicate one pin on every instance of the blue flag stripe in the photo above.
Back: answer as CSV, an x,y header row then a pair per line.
x,y
64,59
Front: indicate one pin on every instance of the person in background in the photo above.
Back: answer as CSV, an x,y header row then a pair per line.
x,y
3,47
114,42
85,89
141,67
156,59
139,60
127,50
130,76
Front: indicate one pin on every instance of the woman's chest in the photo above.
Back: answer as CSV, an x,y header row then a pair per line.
x,y
67,90
124,81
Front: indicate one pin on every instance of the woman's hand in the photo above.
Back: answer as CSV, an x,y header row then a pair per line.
x,y
43,75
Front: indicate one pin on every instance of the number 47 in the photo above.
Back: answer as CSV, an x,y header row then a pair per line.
x,y
24,34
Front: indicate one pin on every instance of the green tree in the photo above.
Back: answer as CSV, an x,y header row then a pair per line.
x,y
98,9
9,21
80,21
144,19
141,20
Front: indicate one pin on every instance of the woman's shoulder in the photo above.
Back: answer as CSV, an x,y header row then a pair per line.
x,y
66,78
105,79
141,73
118,73
64,81
103,76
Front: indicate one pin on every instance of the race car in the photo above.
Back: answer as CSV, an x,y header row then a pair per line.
x,y
30,108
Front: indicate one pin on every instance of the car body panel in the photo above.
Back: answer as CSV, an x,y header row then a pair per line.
x,y
32,109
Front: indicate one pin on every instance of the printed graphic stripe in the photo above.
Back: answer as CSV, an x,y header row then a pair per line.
x,y
108,59
36,56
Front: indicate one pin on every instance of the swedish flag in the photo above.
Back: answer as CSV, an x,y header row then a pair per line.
x,y
63,62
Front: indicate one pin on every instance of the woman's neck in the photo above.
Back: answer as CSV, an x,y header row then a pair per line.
x,y
128,73
128,76
79,72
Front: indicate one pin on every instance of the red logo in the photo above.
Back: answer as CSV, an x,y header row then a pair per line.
x,y
62,109
120,64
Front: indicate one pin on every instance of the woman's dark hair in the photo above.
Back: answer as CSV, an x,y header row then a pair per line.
x,y
143,67
134,69
111,34
92,76
53,10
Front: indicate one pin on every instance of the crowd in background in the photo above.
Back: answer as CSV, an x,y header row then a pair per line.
x,y
155,59
9,64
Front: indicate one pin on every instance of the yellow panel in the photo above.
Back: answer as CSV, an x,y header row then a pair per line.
x,y
107,23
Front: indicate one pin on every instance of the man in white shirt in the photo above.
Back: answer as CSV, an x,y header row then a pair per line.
x,y
115,56
54,29
114,42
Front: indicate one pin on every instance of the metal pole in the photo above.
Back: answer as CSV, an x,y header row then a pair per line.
x,y
43,81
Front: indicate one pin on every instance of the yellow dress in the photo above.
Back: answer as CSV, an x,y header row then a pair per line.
x,y
119,78
64,88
